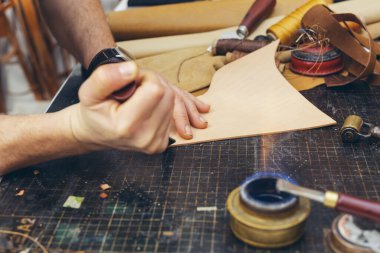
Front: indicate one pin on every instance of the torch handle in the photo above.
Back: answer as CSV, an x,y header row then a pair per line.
x,y
364,208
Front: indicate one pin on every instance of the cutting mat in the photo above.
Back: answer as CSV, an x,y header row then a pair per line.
x,y
159,203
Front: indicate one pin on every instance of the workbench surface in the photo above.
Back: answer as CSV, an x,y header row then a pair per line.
x,y
153,201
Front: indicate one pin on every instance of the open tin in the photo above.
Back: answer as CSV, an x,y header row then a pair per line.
x,y
263,217
350,234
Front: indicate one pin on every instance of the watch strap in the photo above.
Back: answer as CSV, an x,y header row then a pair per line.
x,y
106,56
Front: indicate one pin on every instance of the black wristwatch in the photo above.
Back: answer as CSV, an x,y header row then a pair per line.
x,y
106,56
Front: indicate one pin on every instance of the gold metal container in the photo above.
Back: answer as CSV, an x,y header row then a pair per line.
x,y
268,226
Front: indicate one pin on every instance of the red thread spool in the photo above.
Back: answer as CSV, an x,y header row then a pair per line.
x,y
316,61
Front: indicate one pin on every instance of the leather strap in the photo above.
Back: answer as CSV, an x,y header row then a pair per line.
x,y
360,51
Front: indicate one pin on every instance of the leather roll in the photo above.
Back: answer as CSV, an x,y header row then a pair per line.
x,y
185,18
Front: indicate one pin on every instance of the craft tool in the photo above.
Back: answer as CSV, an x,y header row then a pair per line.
x,y
355,129
264,217
350,234
259,11
340,201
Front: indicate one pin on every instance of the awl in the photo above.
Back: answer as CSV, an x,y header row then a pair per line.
x,y
259,11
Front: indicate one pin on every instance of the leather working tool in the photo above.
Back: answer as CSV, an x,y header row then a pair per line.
x,y
255,15
259,11
340,201
360,51
355,129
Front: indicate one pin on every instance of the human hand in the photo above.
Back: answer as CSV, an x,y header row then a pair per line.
x,y
142,123
187,111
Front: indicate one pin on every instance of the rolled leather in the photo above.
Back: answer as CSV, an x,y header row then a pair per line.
x,y
184,18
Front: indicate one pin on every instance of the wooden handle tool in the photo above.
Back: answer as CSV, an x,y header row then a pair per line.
x,y
340,201
259,10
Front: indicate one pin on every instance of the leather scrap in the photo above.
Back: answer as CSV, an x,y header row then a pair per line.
x,y
361,51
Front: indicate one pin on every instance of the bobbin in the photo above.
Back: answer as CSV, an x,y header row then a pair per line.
x,y
263,217
346,236
355,129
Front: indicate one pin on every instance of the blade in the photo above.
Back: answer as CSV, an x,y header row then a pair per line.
x,y
231,35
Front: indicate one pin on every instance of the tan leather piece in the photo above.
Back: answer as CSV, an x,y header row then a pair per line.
x,y
249,99
367,10
374,30
185,18
301,82
190,69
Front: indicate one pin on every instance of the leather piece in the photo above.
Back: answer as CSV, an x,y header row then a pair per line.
x,y
362,61
301,82
250,99
186,18
190,69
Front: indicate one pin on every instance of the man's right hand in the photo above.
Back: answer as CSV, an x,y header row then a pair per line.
x,y
142,123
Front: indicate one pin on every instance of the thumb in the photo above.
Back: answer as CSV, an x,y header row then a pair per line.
x,y
105,80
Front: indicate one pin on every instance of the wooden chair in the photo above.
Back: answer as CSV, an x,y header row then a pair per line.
x,y
39,63
40,54
14,50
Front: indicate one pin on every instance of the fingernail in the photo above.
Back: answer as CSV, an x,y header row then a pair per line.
x,y
127,69
202,119
188,131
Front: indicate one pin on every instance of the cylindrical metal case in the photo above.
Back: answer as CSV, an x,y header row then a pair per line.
x,y
338,239
267,229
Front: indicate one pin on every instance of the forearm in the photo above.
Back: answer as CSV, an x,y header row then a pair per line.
x,y
79,26
28,140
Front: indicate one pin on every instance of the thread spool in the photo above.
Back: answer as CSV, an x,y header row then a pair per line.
x,y
286,27
263,217
223,46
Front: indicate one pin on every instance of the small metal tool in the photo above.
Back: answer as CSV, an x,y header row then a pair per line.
x,y
259,11
355,129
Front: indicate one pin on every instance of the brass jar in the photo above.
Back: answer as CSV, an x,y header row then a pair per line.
x,y
264,218
342,239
